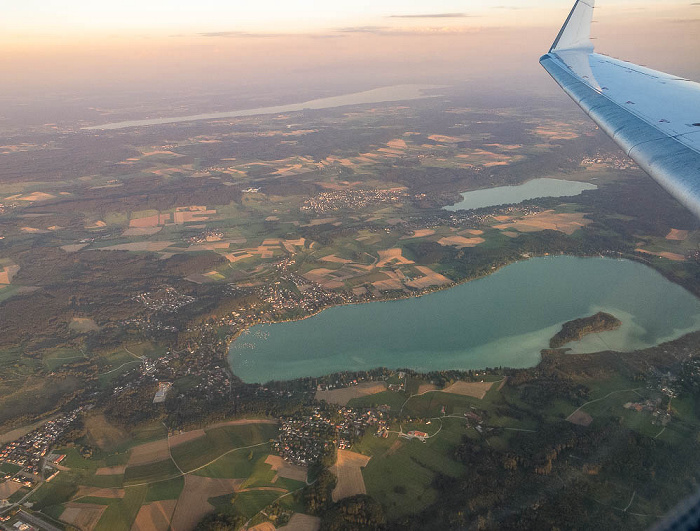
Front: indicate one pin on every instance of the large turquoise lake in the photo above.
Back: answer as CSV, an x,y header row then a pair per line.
x,y
504,319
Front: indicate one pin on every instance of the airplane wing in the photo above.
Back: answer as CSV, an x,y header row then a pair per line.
x,y
654,117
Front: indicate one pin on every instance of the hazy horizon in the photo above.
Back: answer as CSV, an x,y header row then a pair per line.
x,y
104,54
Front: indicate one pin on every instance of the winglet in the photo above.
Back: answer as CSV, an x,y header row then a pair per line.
x,y
575,34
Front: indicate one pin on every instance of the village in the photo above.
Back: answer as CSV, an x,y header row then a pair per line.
x,y
305,439
166,299
617,161
350,199
211,235
7,207
28,451
277,300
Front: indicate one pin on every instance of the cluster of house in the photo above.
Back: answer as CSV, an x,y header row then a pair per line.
x,y
167,300
28,451
304,439
662,416
615,161
23,526
353,424
207,236
350,199
4,207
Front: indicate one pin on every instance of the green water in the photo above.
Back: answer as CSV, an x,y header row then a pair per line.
x,y
500,320
506,195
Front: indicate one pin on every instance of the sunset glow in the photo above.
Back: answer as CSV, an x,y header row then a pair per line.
x,y
48,44
73,18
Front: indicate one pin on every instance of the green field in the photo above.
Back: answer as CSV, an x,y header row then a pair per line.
x,y
74,460
401,471
59,491
120,513
238,464
247,504
104,481
9,468
399,484
217,441
431,404
390,398
150,473
8,291
162,480
261,475
165,490
148,432
17,496
62,357
54,512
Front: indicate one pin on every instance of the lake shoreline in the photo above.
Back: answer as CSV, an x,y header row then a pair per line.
x,y
535,188
631,259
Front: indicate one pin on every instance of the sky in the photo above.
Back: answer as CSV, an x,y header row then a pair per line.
x,y
75,18
248,45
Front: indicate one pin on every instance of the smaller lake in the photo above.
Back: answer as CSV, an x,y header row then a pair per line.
x,y
379,95
504,319
506,195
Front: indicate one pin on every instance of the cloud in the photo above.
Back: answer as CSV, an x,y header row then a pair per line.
x,y
387,31
222,34
323,36
433,15
377,30
239,34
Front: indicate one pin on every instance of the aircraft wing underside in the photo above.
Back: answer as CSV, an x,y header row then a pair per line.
x,y
654,117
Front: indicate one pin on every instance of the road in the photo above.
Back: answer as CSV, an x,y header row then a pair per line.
x,y
31,519
603,398
182,473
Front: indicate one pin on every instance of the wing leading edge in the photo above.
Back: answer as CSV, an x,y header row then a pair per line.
x,y
654,117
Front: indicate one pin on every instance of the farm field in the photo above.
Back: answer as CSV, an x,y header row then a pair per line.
x,y
131,258
400,472
473,389
148,490
193,503
348,470
342,396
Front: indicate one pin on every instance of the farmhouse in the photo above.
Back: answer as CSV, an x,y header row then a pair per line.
x,y
415,434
